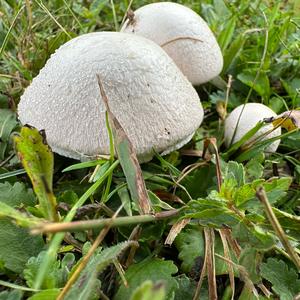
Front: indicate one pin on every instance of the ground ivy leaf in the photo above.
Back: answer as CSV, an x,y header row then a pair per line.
x,y
16,195
17,245
149,291
254,236
187,288
236,171
153,269
285,282
199,182
215,217
11,295
37,159
190,244
244,194
250,258
290,223
276,188
57,273
254,168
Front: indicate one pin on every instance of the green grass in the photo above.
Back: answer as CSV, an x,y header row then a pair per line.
x,y
255,242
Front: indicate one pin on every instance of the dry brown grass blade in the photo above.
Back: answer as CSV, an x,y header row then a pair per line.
x,y
262,196
134,236
232,242
175,230
211,270
227,255
128,160
244,276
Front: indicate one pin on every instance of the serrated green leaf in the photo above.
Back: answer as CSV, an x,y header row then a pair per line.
x,y
236,171
153,269
276,188
190,244
250,258
16,195
17,245
57,272
254,236
243,194
187,287
199,182
149,291
37,159
11,295
87,285
285,281
290,223
254,168
215,217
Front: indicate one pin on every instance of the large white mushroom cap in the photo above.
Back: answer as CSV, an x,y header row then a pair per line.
x,y
250,116
183,34
155,104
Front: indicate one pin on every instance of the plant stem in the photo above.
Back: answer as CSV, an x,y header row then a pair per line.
x,y
262,196
91,224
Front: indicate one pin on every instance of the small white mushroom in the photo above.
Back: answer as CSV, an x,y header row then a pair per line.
x,y
183,34
155,104
251,114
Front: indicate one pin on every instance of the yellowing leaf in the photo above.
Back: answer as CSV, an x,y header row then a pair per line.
x,y
290,120
37,159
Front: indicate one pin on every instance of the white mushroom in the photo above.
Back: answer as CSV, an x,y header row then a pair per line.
x,y
183,34
155,104
250,116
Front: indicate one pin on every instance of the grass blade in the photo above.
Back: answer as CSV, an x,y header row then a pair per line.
x,y
128,159
12,173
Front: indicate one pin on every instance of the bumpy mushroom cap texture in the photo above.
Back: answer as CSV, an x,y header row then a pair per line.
x,y
155,104
251,115
183,34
